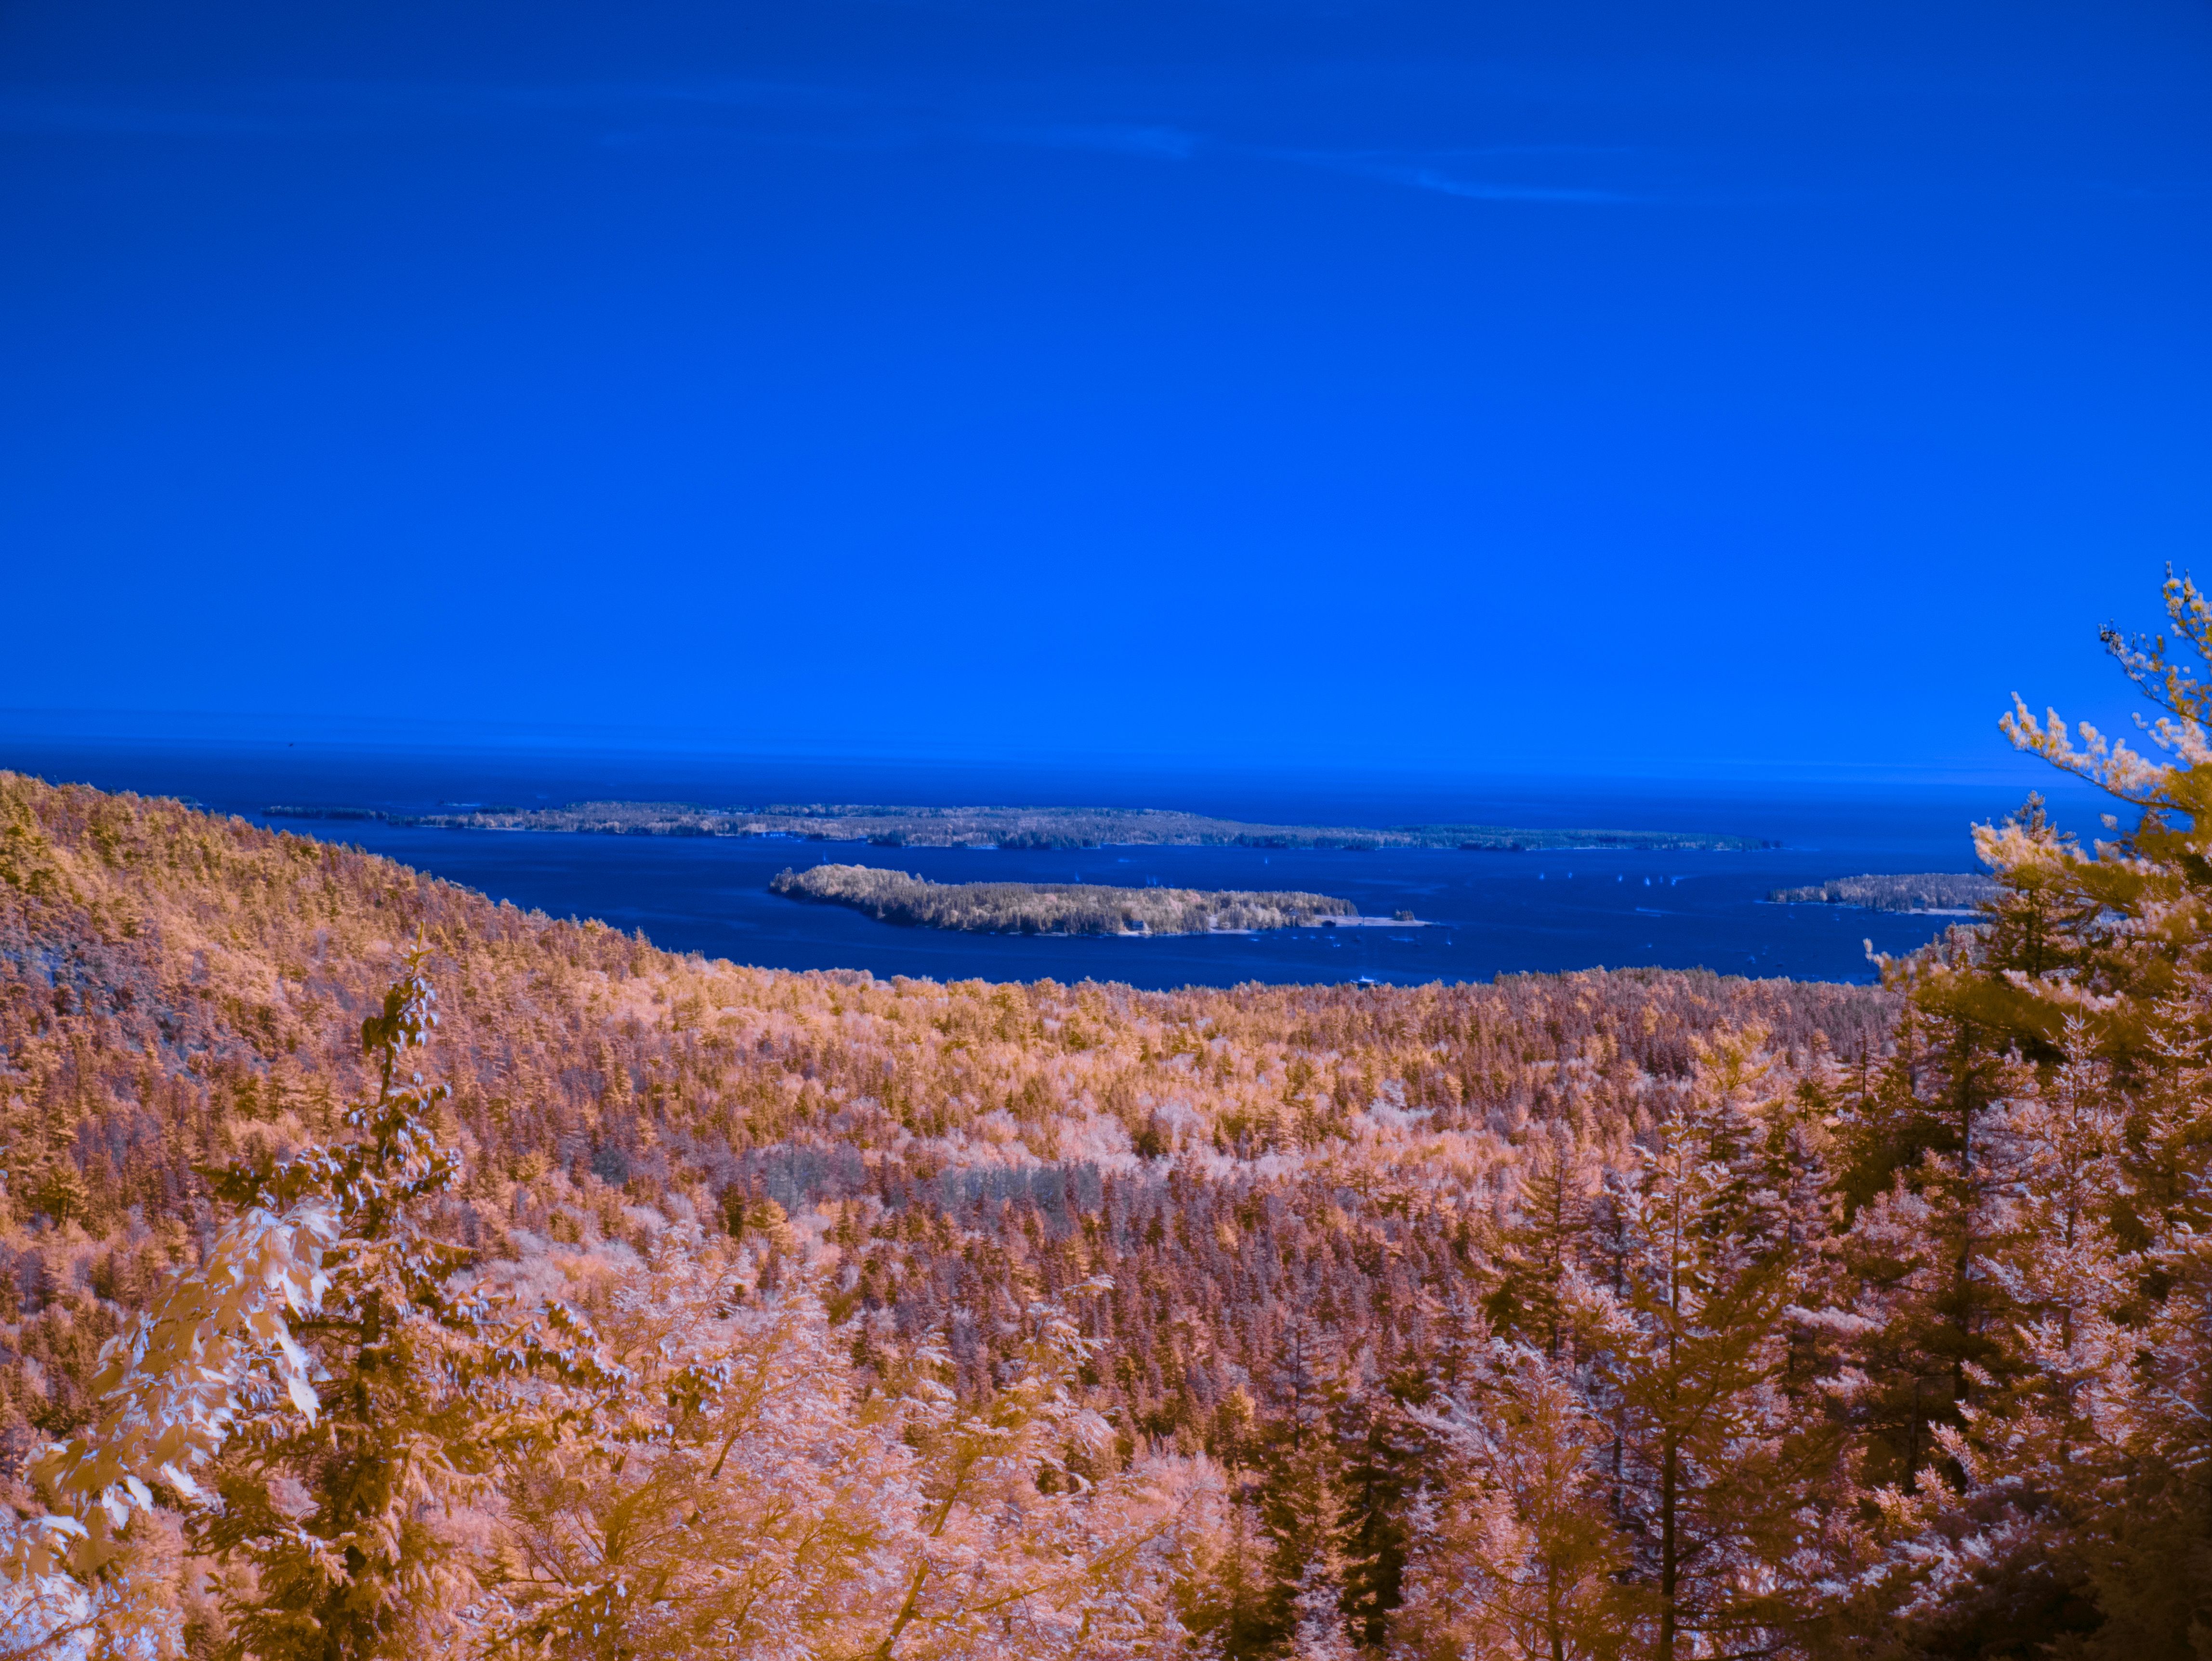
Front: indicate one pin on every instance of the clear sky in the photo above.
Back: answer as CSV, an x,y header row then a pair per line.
x,y
1464,385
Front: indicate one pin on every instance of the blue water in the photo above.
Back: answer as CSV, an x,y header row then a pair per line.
x,y
1490,913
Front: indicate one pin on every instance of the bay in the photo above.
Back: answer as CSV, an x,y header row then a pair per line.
x,y
1486,913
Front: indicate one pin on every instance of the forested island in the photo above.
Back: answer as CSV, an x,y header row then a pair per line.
x,y
1025,908
1943,892
1005,827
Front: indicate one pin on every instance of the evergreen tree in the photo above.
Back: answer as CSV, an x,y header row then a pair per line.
x,y
340,1512
321,1366
1544,1242
1719,1470
1517,1552
58,1188
2059,1489
1380,1452
2112,934
1317,1625
1998,1539
1920,1183
1298,1496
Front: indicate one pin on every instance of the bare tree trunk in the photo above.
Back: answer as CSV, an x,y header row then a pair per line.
x,y
1669,1567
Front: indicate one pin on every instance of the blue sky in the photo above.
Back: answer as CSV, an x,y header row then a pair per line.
x,y
1579,388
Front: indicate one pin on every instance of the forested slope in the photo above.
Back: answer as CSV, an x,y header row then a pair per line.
x,y
1292,1189
180,988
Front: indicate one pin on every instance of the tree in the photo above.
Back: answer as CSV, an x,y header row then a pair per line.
x,y
745,1495
1518,1553
1317,1629
1299,1494
169,1393
319,1394
739,1497
2071,1489
339,1505
1382,1448
1544,1244
1724,1478
128,1612
2115,930
1920,1185
2002,1540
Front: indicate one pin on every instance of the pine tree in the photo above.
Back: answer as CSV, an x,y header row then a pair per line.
x,y
1317,1624
1717,1468
1517,1552
1381,1449
2039,924
1996,1543
60,1191
2064,1486
1234,1608
2152,1575
1298,1496
745,1495
2126,923
1544,1242
339,1512
1920,1183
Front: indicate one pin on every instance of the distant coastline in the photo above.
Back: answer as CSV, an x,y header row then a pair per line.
x,y
1007,827
1026,908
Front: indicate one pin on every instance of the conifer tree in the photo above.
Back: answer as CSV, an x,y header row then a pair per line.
x,y
2065,1489
746,1496
1999,1539
1381,1450
56,1188
2108,934
1921,1184
1719,1472
1299,1497
1518,1553
340,1512
319,1393
2151,1573
1234,1611
1317,1624
1545,1242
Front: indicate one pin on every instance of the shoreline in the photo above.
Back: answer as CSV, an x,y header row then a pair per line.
x,y
1019,829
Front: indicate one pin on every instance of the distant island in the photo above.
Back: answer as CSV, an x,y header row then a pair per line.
x,y
1007,827
1073,907
1942,891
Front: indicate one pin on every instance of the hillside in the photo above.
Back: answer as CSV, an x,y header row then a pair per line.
x,y
1275,1179
182,987
1265,1324
178,988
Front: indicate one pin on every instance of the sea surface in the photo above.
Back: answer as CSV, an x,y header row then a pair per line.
x,y
1486,913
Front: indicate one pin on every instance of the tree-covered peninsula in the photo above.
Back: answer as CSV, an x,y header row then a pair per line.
x,y
1067,908
1004,827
